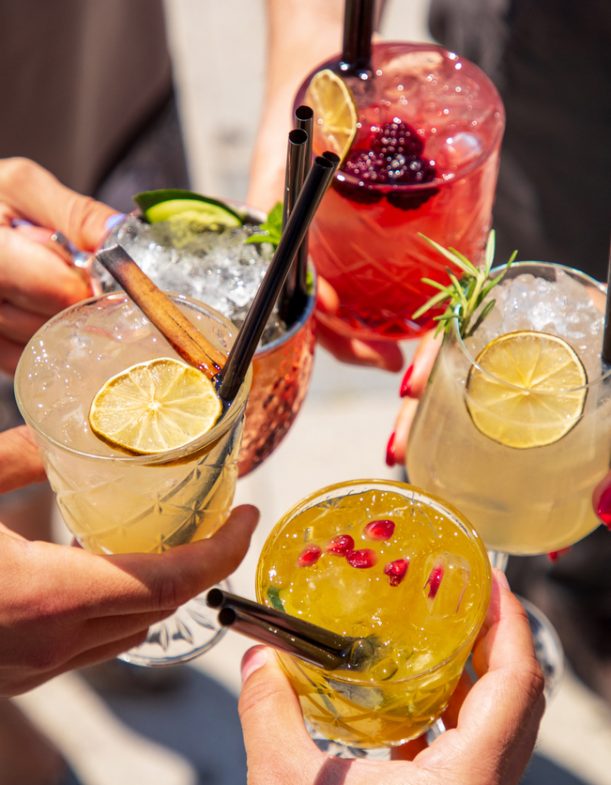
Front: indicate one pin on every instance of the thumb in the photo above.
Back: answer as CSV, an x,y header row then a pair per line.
x,y
272,723
34,193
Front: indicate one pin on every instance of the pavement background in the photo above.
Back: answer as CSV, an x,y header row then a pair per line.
x,y
187,732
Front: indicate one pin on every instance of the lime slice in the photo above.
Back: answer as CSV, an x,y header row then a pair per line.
x,y
154,406
526,389
175,203
334,111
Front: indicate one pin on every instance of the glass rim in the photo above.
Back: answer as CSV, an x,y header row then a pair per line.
x,y
228,419
451,512
517,266
417,188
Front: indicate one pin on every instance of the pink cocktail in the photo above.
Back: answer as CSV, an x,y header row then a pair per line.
x,y
424,160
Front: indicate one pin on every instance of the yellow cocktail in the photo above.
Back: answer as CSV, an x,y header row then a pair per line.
x,y
514,425
114,501
381,559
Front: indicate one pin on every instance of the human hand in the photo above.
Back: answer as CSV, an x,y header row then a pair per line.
x,y
64,608
20,460
492,725
36,280
299,37
380,354
412,386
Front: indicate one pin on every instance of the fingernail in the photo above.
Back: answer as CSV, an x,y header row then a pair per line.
x,y
555,555
390,451
114,220
405,390
15,222
603,509
253,660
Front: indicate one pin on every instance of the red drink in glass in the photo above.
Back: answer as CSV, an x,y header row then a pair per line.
x,y
424,159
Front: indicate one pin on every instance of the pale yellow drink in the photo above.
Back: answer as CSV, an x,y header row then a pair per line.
x,y
382,559
112,501
522,499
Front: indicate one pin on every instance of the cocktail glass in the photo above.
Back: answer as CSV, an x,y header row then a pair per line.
x,y
522,500
383,559
112,501
424,159
283,363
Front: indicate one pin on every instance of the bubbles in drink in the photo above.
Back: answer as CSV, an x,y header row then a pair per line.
x,y
442,96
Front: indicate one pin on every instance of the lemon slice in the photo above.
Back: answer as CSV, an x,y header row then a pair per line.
x,y
155,406
526,389
334,110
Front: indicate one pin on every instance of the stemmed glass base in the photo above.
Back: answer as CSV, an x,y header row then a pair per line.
x,y
188,633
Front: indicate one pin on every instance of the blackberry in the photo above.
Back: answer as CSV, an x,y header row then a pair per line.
x,y
392,158
366,166
397,138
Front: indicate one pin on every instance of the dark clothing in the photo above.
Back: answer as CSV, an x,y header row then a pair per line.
x,y
551,61
88,88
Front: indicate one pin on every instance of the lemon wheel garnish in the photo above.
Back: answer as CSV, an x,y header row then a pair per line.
x,y
334,110
526,389
155,406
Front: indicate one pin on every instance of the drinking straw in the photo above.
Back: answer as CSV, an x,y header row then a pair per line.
x,y
606,353
219,598
258,630
242,351
355,653
304,118
358,30
297,163
167,317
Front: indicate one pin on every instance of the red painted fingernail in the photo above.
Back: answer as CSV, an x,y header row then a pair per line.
x,y
390,451
603,509
406,389
555,555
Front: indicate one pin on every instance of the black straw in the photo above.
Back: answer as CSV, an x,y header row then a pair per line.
x,y
358,31
218,598
309,641
241,354
290,301
606,354
259,630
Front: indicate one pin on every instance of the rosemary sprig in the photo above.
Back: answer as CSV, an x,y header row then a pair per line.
x,y
465,296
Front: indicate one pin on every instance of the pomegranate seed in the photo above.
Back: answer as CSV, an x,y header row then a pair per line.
x,y
555,555
380,530
309,556
396,571
362,559
434,581
341,545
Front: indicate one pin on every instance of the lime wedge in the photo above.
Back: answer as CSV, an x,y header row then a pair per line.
x,y
154,406
170,203
526,389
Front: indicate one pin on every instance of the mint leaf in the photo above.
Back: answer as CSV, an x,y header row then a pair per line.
x,y
273,595
271,228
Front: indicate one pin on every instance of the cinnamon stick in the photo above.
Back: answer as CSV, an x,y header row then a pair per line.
x,y
171,322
